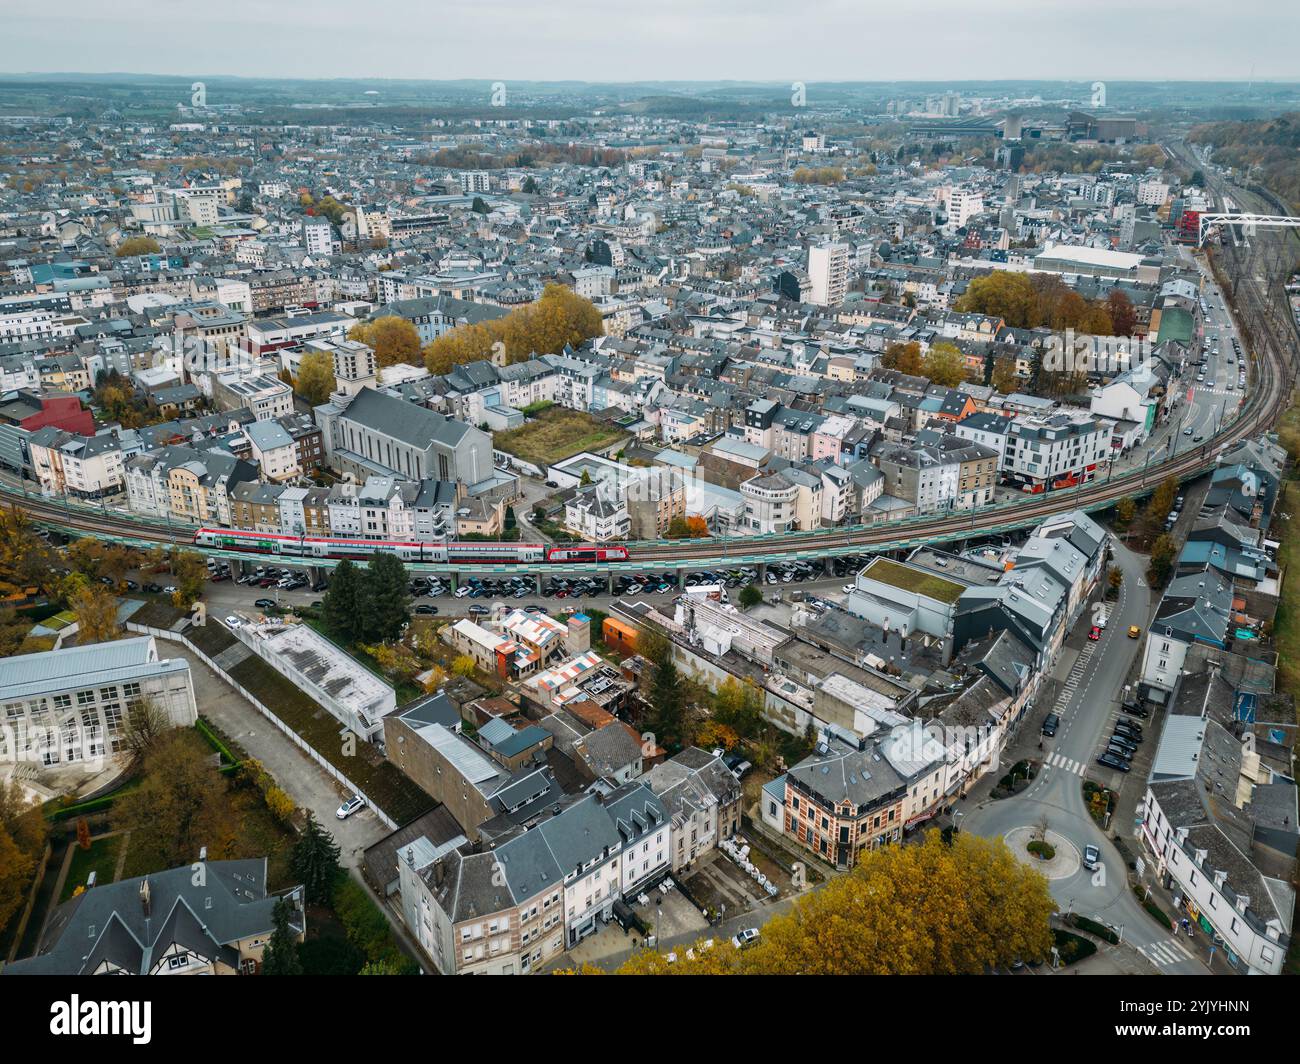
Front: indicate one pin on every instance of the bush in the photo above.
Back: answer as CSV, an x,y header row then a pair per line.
x,y
365,925
1043,850
1093,928
330,956
1160,916
1072,948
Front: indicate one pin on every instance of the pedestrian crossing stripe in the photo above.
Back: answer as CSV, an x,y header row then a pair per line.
x,y
1165,952
1066,763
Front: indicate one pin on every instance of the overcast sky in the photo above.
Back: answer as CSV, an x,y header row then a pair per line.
x,y
618,40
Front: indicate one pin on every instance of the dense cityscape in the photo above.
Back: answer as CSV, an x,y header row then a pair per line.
x,y
517,529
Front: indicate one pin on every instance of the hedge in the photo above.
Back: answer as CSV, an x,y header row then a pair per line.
x,y
1072,948
1160,915
1093,928
214,741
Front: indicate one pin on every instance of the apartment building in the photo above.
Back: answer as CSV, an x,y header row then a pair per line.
x,y
1055,450
828,271
83,467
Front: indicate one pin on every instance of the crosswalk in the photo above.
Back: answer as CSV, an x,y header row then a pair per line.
x,y
1067,764
1076,674
1165,952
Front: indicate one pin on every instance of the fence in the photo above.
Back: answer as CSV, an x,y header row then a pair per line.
x,y
288,732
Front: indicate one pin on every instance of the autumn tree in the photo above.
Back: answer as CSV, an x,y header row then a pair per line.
x,y
463,665
26,561
1125,510
1163,553
558,319
936,908
179,806
1002,294
393,339
905,358
929,909
396,659
95,608
1122,315
23,832
138,245
739,706
315,379
1004,378
146,725
943,365
190,573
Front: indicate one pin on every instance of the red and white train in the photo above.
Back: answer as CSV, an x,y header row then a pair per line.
x,y
307,547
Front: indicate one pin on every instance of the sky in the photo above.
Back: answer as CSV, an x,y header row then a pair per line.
x,y
626,40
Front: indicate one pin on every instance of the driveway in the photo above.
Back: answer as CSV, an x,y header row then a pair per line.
x,y
296,774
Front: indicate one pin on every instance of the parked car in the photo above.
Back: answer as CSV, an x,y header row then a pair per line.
x,y
1135,709
349,807
265,604
1111,761
1050,724
234,622
425,608
745,938
463,590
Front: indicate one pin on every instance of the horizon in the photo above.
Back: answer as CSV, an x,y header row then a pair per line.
x,y
678,40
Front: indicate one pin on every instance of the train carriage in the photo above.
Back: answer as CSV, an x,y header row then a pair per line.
x,y
462,551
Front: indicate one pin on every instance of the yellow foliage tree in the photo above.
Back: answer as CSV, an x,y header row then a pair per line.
x,y
943,364
315,377
394,339
95,608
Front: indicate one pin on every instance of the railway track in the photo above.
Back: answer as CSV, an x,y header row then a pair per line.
x,y
1269,396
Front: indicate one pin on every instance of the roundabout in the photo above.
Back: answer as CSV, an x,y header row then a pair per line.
x,y
1059,860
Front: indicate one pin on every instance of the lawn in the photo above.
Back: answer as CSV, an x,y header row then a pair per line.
x,y
920,583
101,859
556,434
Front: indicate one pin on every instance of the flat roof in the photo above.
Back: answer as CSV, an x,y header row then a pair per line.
x,y
918,581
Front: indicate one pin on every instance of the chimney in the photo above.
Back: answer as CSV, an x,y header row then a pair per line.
x,y
144,898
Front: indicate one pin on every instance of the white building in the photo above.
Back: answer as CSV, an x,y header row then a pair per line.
x,y
1212,827
87,467
73,706
828,270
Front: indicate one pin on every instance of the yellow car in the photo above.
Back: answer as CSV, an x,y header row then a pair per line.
x,y
1134,631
